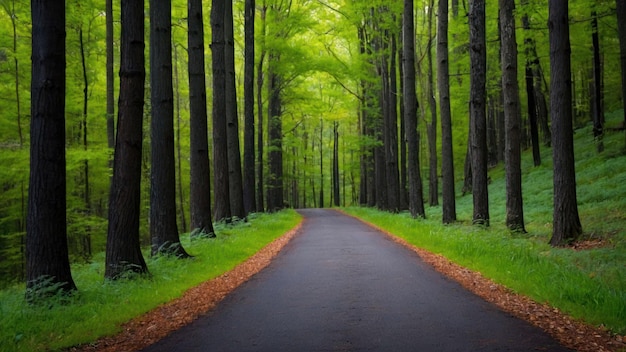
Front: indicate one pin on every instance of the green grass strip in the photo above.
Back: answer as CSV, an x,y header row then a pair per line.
x,y
562,278
100,306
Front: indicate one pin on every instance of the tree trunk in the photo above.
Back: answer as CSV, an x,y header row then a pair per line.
x,y
200,181
512,119
404,198
123,251
86,236
566,223
431,128
220,141
478,135
532,61
391,140
621,29
46,232
598,111
110,77
179,164
163,228
260,186
443,82
416,201
275,182
235,179
249,192
336,198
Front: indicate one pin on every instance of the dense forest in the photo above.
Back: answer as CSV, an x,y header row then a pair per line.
x,y
126,124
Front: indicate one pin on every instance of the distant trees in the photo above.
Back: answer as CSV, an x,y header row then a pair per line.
x,y
46,232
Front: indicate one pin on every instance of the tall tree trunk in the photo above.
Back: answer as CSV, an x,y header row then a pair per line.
x,y
391,140
163,228
86,237
249,192
321,163
416,201
621,29
404,191
443,82
235,179
110,77
46,232
200,182
512,119
478,135
336,197
566,222
532,61
123,251
598,111
260,185
179,164
220,141
275,182
431,128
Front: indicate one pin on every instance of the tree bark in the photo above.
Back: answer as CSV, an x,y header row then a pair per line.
x,y
512,119
431,128
336,197
249,192
566,222
416,200
443,82
163,228
110,78
235,180
220,141
123,251
621,29
260,186
478,135
275,183
200,181
391,140
532,61
598,111
47,261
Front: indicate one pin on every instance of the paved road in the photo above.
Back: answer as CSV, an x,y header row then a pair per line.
x,y
342,286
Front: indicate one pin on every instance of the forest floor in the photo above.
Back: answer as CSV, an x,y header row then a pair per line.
x,y
155,325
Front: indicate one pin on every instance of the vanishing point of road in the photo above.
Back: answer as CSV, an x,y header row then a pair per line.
x,y
341,285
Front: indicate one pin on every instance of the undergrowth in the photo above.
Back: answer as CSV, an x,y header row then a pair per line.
x,y
99,307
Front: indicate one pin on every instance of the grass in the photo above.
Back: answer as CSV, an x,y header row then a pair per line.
x,y
101,306
587,284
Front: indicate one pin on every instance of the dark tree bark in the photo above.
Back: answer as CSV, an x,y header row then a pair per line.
x,y
443,82
220,141
391,130
47,261
404,191
260,186
321,150
336,197
235,180
478,135
566,222
86,236
275,181
163,228
598,111
200,182
123,251
249,191
621,29
109,75
431,128
416,200
532,61
512,119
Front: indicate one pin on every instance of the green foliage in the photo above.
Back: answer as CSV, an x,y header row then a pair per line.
x,y
99,308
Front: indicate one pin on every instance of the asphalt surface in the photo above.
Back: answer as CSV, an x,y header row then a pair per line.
x,y
340,285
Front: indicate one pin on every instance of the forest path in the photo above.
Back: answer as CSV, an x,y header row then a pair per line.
x,y
341,285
